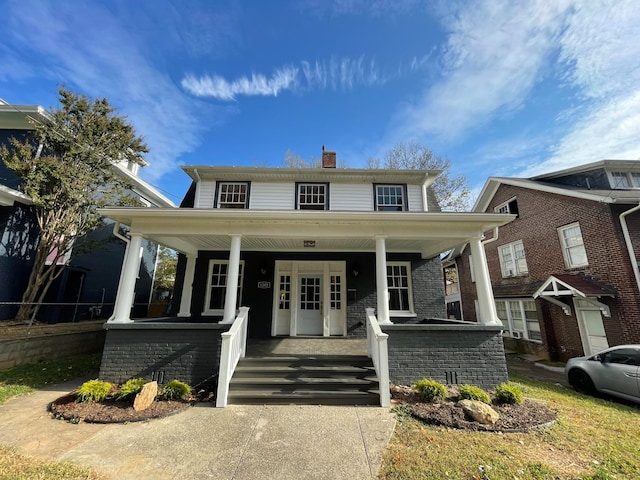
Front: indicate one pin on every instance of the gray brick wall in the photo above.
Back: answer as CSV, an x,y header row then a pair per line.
x,y
428,289
188,352
447,353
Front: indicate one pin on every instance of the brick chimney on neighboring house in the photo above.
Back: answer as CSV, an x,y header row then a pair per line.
x,y
328,159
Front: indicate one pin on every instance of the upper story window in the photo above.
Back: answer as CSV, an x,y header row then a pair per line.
x,y
573,249
510,206
390,198
312,196
625,179
233,195
512,259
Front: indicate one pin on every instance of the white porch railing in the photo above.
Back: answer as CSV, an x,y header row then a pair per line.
x,y
377,350
234,346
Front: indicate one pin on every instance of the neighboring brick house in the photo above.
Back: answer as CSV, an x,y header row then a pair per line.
x,y
87,287
564,272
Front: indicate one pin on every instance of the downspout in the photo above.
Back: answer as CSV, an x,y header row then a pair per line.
x,y
116,233
627,240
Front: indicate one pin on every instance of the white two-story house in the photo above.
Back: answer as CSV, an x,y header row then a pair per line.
x,y
307,250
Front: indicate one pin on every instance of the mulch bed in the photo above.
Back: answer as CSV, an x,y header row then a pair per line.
x,y
513,418
111,411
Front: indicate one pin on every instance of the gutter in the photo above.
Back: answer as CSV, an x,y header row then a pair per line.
x,y
627,241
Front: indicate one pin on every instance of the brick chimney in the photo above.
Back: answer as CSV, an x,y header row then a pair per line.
x,y
328,159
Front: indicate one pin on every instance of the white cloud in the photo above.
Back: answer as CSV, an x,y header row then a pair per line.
x,y
97,57
217,87
337,73
601,52
495,54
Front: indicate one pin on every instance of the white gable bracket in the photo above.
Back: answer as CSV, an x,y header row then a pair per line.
x,y
565,308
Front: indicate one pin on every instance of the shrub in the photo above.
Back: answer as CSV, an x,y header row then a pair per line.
x,y
509,393
175,390
93,391
130,389
430,390
470,392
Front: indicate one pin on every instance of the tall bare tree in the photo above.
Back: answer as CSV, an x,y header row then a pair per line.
x,y
452,192
67,169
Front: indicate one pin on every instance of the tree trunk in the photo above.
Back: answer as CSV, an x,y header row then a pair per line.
x,y
40,279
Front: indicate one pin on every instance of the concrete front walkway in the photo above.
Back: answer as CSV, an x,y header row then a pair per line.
x,y
237,442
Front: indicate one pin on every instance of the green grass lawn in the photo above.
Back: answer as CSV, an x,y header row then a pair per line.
x,y
27,378
593,439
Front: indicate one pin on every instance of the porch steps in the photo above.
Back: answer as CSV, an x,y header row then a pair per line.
x,y
309,380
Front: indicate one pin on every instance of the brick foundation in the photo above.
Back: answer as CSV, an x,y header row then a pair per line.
x,y
162,351
450,353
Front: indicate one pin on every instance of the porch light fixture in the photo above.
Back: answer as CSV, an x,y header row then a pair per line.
x,y
309,243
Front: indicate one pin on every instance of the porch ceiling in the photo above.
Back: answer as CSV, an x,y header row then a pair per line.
x,y
190,230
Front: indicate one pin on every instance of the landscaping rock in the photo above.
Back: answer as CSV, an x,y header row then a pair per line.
x,y
146,396
480,412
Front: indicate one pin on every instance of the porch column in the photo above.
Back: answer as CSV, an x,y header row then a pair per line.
x,y
382,288
187,286
231,294
128,277
486,303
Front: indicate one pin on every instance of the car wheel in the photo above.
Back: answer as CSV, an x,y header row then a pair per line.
x,y
582,382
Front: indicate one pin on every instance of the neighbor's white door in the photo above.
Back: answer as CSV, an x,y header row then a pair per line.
x,y
310,319
592,331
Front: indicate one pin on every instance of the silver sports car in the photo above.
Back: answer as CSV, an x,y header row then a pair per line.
x,y
615,371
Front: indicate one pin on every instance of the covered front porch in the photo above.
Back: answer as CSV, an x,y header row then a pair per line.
x,y
307,272
301,273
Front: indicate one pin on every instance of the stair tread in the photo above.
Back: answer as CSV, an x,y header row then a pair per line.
x,y
303,393
325,379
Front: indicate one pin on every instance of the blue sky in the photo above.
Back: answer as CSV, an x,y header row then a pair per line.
x,y
498,87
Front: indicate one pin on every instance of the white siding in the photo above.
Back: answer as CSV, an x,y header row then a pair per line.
x,y
350,197
414,192
205,194
272,196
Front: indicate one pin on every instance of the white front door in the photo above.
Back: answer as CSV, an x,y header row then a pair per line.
x,y
592,330
310,318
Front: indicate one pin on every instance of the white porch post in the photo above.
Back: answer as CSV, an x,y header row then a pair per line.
x,y
187,286
231,294
128,277
381,281
486,302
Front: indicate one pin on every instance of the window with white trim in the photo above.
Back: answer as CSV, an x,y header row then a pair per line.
x,y
510,206
233,195
312,196
400,288
520,318
217,286
512,259
621,180
390,198
336,292
285,292
573,249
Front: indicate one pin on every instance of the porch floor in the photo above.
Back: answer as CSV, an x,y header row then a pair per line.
x,y
305,346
